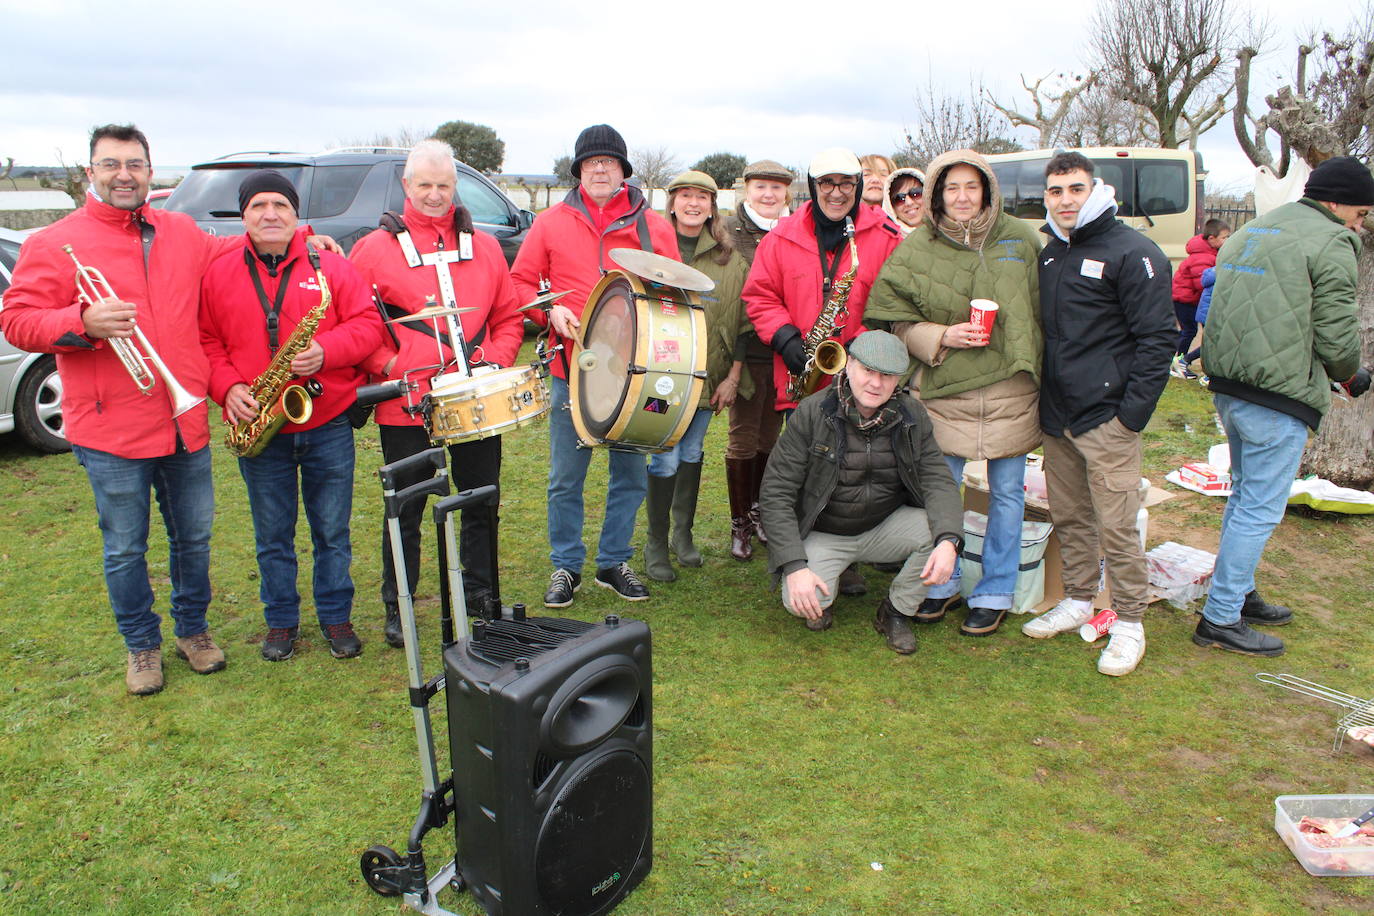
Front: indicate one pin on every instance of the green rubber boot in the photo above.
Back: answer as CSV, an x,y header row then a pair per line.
x,y
684,513
656,505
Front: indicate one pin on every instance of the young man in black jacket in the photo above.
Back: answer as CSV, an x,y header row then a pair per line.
x,y
1108,318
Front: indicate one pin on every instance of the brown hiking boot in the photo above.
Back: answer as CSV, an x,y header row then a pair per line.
x,y
894,628
201,653
145,672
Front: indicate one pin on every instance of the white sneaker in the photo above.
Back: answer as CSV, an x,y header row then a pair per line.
x,y
1176,368
1125,649
1069,614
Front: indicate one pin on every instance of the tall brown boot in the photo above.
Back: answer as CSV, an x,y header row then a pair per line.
x,y
739,479
760,462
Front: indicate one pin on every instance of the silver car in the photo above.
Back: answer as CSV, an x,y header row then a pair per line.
x,y
30,390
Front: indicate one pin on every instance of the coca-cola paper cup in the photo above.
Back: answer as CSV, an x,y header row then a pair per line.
x,y
1098,626
983,312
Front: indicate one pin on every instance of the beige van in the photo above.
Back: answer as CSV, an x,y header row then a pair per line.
x,y
1158,191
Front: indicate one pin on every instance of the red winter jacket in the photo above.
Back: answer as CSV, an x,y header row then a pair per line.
x,y
785,281
233,328
101,407
1188,277
482,283
564,246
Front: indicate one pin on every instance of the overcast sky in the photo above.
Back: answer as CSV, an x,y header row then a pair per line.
x,y
757,77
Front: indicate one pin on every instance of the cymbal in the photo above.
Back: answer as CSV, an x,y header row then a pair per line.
x,y
662,270
429,312
544,299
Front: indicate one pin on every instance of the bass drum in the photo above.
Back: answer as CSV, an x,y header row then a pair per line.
x,y
638,371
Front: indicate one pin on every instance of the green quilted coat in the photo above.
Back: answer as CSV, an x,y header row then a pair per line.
x,y
1283,320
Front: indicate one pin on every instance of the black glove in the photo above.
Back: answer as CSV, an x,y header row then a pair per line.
x,y
787,341
1358,383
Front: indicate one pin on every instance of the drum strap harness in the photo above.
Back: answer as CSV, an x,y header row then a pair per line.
x,y
439,259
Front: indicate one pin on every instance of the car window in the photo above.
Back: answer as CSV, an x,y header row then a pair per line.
x,y
215,191
334,188
485,205
9,253
1161,187
396,197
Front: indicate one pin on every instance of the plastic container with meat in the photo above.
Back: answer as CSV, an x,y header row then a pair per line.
x,y
1306,824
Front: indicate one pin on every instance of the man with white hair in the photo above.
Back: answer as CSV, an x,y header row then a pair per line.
x,y
798,265
430,255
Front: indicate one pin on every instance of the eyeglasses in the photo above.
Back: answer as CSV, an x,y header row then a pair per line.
x,y
601,162
134,166
826,185
905,195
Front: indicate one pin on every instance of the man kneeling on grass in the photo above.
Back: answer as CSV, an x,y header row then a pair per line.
x,y
857,476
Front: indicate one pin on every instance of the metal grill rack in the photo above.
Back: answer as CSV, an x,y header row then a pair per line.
x,y
1361,711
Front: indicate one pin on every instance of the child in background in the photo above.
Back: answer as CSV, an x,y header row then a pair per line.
x,y
1202,254
1209,279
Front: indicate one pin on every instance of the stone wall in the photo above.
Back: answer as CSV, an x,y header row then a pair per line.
x,y
30,219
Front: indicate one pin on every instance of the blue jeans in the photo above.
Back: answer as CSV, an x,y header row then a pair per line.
x,y
689,449
1002,543
1266,447
324,457
186,498
625,488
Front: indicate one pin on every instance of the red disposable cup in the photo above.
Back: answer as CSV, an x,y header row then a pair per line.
x,y
983,312
1098,626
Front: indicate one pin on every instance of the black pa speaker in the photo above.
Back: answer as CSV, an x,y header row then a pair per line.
x,y
550,730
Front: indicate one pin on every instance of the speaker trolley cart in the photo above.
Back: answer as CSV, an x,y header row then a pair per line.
x,y
386,872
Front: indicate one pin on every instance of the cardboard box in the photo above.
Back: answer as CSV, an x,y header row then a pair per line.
x,y
1205,477
1038,510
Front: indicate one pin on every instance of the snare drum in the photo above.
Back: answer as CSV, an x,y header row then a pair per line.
x,y
487,403
637,374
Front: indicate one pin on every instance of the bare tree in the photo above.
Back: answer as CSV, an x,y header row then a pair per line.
x,y
655,166
946,122
1166,56
1100,117
9,172
1052,102
1333,115
402,137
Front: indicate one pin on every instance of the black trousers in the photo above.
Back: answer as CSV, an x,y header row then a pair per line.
x,y
471,464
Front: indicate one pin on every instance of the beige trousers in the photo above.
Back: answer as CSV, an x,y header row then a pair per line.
x,y
1094,491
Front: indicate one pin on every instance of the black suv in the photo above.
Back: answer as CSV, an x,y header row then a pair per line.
x,y
343,193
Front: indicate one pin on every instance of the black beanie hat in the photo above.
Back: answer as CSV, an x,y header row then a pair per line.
x,y
1342,180
600,140
267,180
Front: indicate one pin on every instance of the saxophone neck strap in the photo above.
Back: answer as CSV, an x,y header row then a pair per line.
x,y
271,309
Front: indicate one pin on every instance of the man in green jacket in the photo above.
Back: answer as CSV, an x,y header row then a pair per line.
x,y
857,476
1283,323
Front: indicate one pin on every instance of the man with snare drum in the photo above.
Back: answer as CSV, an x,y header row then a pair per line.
x,y
430,256
569,247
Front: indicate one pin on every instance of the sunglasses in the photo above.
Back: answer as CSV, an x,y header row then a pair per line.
x,y
913,195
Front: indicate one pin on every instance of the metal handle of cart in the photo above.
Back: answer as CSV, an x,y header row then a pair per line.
x,y
451,592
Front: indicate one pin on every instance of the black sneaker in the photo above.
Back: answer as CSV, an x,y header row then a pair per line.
x,y
1236,637
622,580
982,621
563,584
1258,612
343,642
280,643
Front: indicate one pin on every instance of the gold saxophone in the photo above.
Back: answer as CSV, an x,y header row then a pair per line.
x,y
279,400
825,355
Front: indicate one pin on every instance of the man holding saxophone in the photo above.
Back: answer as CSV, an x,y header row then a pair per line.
x,y
285,329
810,280
132,435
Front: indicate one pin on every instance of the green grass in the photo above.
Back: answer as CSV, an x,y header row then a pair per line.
x,y
993,775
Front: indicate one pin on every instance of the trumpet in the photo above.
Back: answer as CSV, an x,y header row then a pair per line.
x,y
91,287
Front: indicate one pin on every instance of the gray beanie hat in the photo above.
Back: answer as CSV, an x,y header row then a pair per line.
x,y
880,351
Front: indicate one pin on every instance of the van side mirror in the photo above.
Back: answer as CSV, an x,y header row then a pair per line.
x,y
524,219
